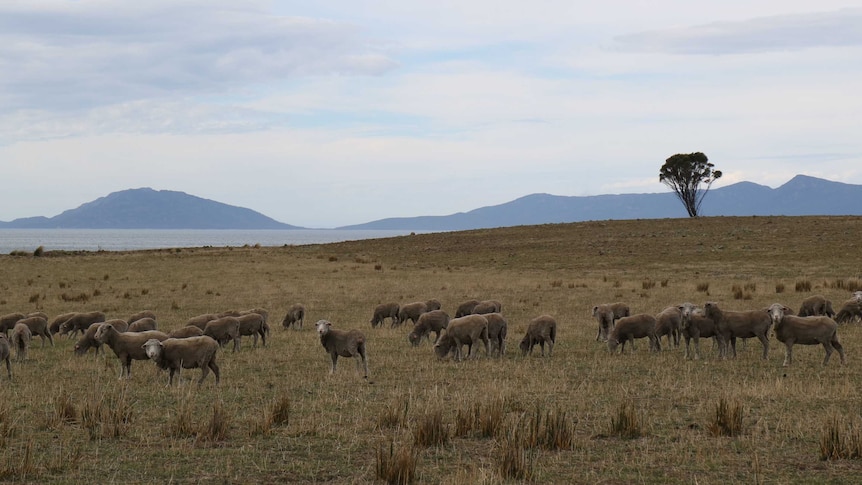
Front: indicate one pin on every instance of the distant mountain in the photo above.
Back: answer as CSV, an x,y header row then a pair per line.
x,y
803,195
146,208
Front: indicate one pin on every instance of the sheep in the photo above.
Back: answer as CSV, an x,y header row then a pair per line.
x,y
791,329
384,311
142,325
6,354
433,304
433,321
541,330
88,340
21,340
260,311
497,329
201,321
816,305
186,332
176,354
343,343
849,312
412,311
295,316
79,322
253,324
8,321
141,314
668,322
466,308
467,330
627,329
487,306
607,314
731,325
223,330
54,326
694,325
857,295
38,326
126,346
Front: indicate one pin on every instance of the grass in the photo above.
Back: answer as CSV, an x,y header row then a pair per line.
x,y
278,415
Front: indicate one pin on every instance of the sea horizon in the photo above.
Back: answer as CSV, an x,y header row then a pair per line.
x,y
29,240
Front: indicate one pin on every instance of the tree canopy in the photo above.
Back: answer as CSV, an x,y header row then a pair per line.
x,y
684,173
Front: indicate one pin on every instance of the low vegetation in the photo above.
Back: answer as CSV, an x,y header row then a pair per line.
x,y
581,415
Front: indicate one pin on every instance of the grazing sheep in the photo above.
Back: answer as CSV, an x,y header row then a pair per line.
x,y
384,311
8,321
253,324
816,305
791,329
88,340
6,354
497,329
695,326
21,340
343,343
54,326
38,326
186,332
126,346
295,316
668,322
541,330
488,306
223,330
627,329
467,330
849,312
176,354
201,321
412,311
607,314
433,304
141,314
433,321
142,325
731,325
466,308
79,322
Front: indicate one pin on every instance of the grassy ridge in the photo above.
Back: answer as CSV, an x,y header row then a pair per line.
x,y
68,419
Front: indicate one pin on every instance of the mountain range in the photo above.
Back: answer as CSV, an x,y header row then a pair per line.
x,y
145,208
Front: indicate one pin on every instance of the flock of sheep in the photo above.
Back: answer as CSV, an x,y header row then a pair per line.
x,y
475,322
815,323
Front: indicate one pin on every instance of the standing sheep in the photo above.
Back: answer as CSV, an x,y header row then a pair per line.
x,y
433,321
488,306
186,332
253,324
384,311
541,330
668,322
21,340
6,354
54,326
223,330
126,346
627,329
142,325
791,330
466,308
816,305
694,327
184,353
433,304
201,321
141,314
731,325
38,326
343,343
607,314
467,330
79,322
412,311
295,316
8,321
497,329
88,340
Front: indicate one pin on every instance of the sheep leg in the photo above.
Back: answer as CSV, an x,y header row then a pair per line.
x,y
550,347
840,348
334,356
236,343
212,365
788,353
828,348
764,340
171,377
487,347
262,337
9,367
254,340
363,363
687,354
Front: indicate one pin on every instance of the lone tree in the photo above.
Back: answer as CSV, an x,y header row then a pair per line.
x,y
684,172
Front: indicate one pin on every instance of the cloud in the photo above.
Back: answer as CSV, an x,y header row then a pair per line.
x,y
838,28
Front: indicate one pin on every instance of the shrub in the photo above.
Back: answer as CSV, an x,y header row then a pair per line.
x,y
727,420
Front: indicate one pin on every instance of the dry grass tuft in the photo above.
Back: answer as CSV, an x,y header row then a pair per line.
x,y
514,460
62,410
626,424
430,430
803,286
19,465
394,415
727,420
779,288
840,440
107,414
396,467
703,287
216,429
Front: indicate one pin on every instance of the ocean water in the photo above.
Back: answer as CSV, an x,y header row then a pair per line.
x,y
134,239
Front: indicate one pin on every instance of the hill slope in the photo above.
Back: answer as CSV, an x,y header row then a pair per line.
x,y
146,208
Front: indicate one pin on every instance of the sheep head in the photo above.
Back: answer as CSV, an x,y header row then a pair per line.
x,y
323,327
686,310
153,348
776,312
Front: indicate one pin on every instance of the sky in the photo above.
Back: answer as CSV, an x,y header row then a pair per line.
x,y
336,112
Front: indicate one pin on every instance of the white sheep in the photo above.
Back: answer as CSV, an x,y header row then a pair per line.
x,y
792,329
176,354
126,346
344,343
6,354
21,340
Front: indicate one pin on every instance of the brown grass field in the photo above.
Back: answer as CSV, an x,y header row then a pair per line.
x,y
580,416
